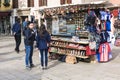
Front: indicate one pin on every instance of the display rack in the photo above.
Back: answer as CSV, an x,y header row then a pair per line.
x,y
78,19
67,47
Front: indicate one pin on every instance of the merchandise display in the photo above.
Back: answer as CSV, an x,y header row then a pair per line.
x,y
82,34
104,51
79,30
67,47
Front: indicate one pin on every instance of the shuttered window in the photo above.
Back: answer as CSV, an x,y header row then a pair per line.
x,y
69,1
15,3
30,3
42,2
65,2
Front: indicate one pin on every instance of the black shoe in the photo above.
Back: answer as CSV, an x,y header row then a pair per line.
x,y
17,50
32,65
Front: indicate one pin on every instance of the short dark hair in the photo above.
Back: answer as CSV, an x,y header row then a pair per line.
x,y
18,20
29,22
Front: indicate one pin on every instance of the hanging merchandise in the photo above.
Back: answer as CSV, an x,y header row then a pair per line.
x,y
108,22
97,12
104,36
108,25
117,24
55,25
89,51
103,14
119,14
91,18
92,45
115,12
103,25
90,21
105,52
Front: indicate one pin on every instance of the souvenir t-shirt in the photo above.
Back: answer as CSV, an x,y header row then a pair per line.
x,y
103,14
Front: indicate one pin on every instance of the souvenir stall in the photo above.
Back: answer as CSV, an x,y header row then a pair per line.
x,y
73,32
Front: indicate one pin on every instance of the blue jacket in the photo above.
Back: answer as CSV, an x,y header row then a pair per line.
x,y
16,28
29,37
42,42
25,24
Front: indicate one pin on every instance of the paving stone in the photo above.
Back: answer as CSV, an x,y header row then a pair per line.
x,y
12,66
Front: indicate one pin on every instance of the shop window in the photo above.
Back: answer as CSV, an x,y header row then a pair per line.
x,y
30,3
15,4
65,2
42,2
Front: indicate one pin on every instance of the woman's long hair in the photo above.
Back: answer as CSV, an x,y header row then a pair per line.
x,y
42,30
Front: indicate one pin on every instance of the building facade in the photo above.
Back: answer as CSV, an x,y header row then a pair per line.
x,y
32,8
5,16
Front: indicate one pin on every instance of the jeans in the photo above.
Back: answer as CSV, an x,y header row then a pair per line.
x,y
29,54
18,42
44,57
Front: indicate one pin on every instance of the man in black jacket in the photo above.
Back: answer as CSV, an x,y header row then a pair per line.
x,y
29,41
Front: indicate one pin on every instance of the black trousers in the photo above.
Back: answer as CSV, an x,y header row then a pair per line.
x,y
18,41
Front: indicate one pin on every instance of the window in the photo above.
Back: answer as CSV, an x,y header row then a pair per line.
x,y
30,3
0,3
65,2
6,1
42,2
15,3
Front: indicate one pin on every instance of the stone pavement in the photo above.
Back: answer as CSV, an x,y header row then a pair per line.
x,y
12,66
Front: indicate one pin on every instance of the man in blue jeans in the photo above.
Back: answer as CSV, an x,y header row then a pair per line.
x,y
29,41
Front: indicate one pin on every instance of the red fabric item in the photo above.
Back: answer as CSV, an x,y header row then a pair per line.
x,y
104,51
115,12
89,51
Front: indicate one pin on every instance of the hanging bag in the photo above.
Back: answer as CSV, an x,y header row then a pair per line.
x,y
92,45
